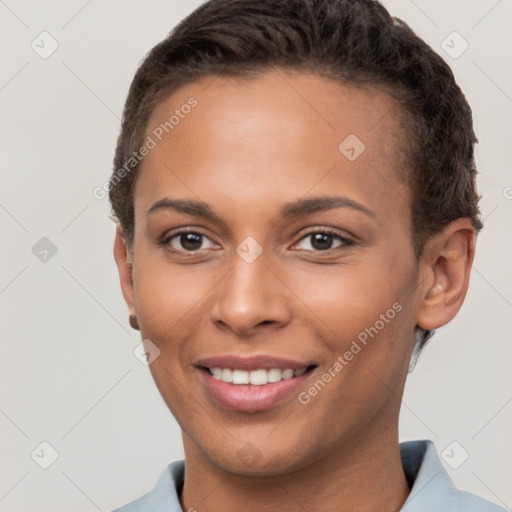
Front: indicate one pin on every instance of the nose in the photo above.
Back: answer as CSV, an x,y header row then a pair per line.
x,y
249,297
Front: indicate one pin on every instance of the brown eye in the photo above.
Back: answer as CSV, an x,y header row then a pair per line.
x,y
321,241
188,241
191,241
317,241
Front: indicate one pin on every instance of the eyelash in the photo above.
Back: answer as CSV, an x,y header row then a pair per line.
x,y
346,242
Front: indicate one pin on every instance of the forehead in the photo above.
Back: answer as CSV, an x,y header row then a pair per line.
x,y
278,135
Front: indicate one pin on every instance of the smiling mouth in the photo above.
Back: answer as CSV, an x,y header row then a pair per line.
x,y
258,377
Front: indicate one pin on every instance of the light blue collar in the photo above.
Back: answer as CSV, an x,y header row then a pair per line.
x,y
432,488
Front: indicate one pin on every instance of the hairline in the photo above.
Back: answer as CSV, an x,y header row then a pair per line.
x,y
403,120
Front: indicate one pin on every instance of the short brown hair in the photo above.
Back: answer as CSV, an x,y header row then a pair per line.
x,y
353,41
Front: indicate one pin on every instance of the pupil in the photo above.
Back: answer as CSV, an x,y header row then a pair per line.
x,y
191,241
321,241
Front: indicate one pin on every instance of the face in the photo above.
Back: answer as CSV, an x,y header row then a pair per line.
x,y
268,254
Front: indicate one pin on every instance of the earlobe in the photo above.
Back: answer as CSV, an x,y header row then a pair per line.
x,y
446,263
124,267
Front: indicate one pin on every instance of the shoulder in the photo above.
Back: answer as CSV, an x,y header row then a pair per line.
x,y
432,489
466,501
164,496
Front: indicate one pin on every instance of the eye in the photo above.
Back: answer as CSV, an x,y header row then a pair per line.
x,y
322,240
188,241
316,241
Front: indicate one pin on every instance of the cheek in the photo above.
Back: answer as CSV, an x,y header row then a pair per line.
x,y
168,303
351,298
369,315
168,296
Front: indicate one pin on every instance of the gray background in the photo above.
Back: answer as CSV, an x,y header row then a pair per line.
x,y
67,372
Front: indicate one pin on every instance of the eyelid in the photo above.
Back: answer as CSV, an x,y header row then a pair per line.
x,y
165,239
345,240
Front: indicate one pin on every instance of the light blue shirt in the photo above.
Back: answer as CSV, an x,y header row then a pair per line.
x,y
432,488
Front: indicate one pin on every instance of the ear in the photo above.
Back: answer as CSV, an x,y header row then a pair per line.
x,y
124,267
446,266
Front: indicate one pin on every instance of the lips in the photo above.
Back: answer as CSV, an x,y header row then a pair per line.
x,y
235,362
252,384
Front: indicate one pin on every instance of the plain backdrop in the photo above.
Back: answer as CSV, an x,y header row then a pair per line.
x,y
68,374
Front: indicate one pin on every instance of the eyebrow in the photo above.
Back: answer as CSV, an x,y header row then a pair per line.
x,y
292,209
323,203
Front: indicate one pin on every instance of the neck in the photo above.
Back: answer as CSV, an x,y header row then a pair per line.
x,y
365,476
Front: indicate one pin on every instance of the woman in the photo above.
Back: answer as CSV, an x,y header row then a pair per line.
x,y
294,187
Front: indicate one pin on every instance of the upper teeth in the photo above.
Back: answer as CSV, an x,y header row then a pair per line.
x,y
255,377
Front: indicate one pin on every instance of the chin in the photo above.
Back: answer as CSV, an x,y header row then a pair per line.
x,y
259,458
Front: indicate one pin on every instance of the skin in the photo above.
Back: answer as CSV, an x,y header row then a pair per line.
x,y
248,148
